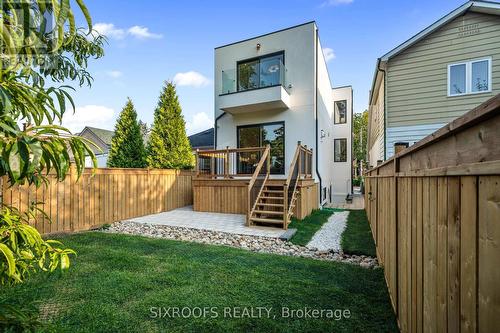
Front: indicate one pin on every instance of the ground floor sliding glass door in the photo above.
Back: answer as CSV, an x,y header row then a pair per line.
x,y
260,135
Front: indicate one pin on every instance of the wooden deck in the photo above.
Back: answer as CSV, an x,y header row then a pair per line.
x,y
231,195
239,181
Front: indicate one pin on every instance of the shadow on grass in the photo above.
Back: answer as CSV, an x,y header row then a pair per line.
x,y
307,227
118,282
357,237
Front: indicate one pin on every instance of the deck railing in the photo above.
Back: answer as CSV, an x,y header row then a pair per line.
x,y
305,161
300,167
258,181
228,163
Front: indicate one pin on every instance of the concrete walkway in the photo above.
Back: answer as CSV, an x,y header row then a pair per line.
x,y
358,201
229,223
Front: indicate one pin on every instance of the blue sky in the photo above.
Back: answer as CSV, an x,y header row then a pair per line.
x,y
151,41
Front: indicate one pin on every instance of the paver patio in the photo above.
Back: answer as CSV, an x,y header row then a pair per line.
x,y
230,223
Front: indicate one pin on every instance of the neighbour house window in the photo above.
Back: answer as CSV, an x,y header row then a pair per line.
x,y
469,77
259,136
265,71
340,112
340,150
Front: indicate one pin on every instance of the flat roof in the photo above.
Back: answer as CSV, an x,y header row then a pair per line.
x,y
266,34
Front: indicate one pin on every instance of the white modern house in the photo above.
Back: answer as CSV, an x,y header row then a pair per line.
x,y
275,89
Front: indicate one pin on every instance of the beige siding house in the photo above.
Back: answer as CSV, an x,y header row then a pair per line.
x,y
434,77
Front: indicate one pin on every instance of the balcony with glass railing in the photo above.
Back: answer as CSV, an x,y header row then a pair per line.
x,y
255,86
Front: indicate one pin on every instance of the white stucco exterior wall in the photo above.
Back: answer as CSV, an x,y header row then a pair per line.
x,y
342,171
299,46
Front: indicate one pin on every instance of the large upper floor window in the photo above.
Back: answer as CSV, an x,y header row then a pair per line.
x,y
340,116
265,71
470,77
340,150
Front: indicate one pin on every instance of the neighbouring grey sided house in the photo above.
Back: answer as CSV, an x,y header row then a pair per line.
x,y
275,89
102,139
202,140
434,77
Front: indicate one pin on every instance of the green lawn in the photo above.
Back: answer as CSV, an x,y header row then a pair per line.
x,y
307,227
117,279
357,237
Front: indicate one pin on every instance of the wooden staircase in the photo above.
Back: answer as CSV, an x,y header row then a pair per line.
x,y
270,206
271,203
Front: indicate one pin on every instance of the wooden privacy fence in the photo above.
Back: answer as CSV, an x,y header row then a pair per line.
x,y
434,211
107,196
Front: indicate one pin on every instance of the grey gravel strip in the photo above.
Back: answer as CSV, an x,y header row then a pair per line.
x,y
250,243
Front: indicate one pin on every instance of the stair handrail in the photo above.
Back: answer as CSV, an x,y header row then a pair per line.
x,y
288,199
251,204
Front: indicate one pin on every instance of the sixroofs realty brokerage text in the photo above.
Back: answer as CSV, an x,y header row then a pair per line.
x,y
248,312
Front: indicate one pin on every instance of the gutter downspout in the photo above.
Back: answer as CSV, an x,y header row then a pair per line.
x,y
316,113
215,129
352,141
385,109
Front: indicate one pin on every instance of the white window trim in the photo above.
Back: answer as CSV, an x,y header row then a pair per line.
x,y
468,76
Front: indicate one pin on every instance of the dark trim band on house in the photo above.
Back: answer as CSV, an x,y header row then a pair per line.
x,y
274,159
316,53
262,56
267,34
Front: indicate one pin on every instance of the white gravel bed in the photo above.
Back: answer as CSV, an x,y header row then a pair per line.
x,y
250,243
328,237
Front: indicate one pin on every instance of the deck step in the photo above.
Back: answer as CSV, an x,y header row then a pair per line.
x,y
257,219
268,212
269,204
272,191
272,198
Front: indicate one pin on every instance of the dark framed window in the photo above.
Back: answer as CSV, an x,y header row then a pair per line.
x,y
340,114
261,72
340,150
259,135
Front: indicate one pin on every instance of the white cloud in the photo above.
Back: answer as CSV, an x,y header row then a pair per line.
x,y
89,115
336,3
109,30
199,122
142,32
191,78
114,74
329,54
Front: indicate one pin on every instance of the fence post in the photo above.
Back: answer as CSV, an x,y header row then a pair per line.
x,y
226,163
285,206
299,143
310,162
212,165
268,160
196,163
396,238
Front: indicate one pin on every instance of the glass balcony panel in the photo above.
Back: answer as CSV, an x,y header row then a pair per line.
x,y
253,75
228,81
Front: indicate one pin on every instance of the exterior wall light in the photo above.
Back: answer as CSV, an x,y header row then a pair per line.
x,y
258,46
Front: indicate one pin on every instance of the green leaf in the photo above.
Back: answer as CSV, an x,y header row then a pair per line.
x,y
9,257
14,162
